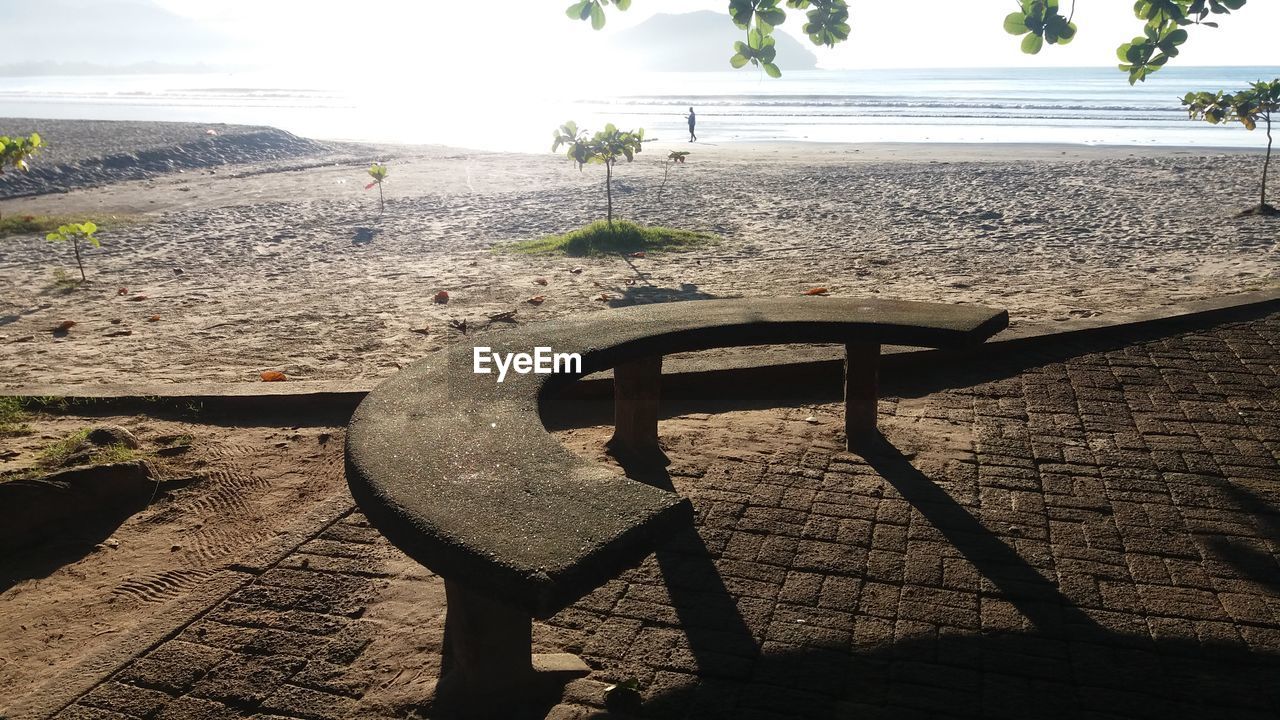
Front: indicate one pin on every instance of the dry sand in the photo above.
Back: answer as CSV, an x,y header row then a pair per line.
x,y
285,264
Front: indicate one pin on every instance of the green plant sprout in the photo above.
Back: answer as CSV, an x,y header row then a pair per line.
x,y
75,232
674,158
15,151
605,147
1249,107
378,173
827,23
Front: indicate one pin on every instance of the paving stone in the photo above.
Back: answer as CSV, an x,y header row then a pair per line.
x,y
194,708
84,712
126,699
174,667
246,679
300,702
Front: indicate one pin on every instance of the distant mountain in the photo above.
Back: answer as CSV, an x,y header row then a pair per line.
x,y
699,41
104,32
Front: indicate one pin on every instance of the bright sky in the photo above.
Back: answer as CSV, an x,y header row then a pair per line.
x,y
534,36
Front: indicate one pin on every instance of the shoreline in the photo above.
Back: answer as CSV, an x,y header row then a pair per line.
x,y
154,150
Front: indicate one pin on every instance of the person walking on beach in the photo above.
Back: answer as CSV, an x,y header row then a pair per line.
x,y
693,121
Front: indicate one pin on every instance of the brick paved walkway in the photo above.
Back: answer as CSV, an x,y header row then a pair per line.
x,y
1095,537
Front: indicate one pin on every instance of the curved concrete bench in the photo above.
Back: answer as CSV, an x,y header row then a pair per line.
x,y
457,470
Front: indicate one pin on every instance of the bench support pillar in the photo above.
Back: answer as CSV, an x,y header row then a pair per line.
x,y
489,669
861,391
637,388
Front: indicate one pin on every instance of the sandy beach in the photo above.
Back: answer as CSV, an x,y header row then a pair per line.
x,y
251,250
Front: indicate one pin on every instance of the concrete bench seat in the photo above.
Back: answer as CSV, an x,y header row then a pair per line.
x,y
458,471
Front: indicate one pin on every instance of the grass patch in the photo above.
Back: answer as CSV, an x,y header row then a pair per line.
x,y
117,453
13,416
626,237
58,452
42,224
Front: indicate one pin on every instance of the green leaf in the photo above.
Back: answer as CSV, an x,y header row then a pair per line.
x,y
1032,44
597,16
1016,23
738,60
772,70
623,4
770,18
578,10
54,237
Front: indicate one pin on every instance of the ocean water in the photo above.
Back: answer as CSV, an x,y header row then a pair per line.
x,y
518,112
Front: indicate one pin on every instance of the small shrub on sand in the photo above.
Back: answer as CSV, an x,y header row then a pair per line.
x,y
1250,108
604,148
625,237
378,173
75,232
677,157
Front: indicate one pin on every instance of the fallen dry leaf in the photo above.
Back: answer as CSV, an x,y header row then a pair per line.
x,y
116,321
65,325
442,297
605,297
816,291
460,326
154,318
119,333
638,254
421,330
540,281
123,291
136,298
576,271
505,316
537,300
273,376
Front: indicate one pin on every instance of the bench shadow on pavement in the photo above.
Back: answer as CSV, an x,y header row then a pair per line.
x,y
1062,663
1061,660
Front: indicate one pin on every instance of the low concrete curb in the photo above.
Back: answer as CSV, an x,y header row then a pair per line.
x,y
694,374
